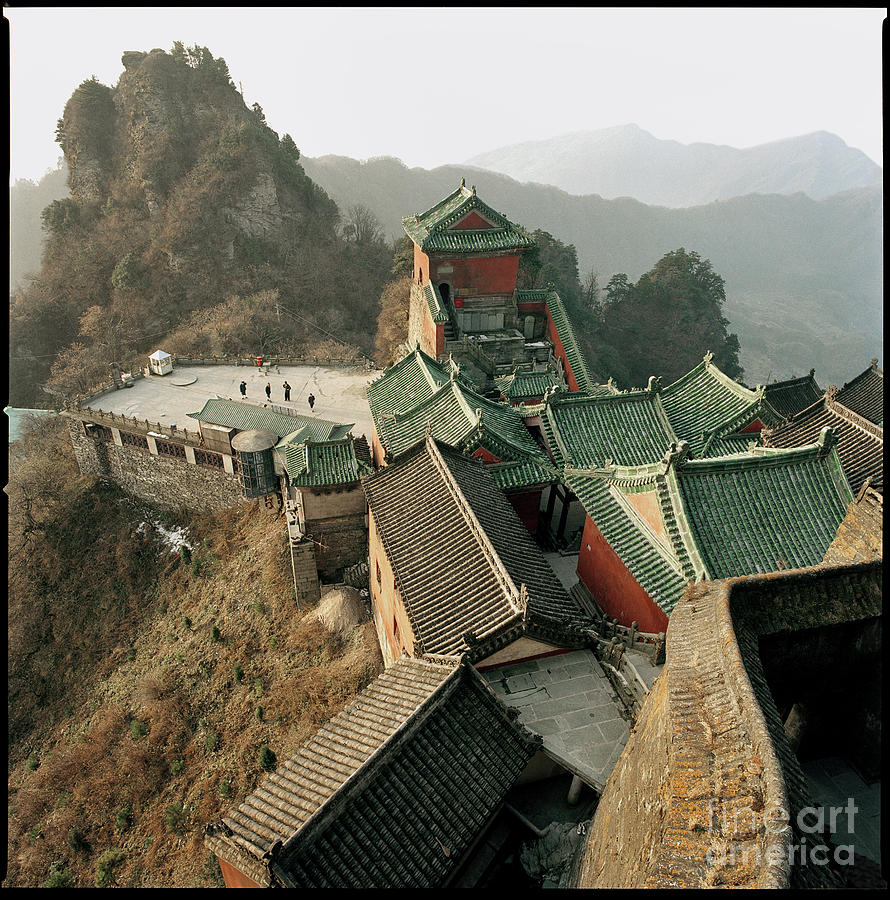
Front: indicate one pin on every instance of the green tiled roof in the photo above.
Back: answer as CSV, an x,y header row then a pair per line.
x,y
523,473
520,385
434,301
654,568
730,445
317,463
248,417
727,517
413,379
630,429
773,509
566,332
433,230
705,403
451,415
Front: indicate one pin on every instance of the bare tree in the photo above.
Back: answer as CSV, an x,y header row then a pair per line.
x,y
362,226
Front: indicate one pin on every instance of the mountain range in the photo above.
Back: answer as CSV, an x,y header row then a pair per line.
x,y
803,276
803,271
627,161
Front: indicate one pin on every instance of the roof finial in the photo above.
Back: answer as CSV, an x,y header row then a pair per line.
x,y
473,189
478,417
708,357
463,181
826,440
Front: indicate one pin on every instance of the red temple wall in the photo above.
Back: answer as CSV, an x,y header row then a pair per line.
x,y
553,337
527,505
615,590
477,275
233,878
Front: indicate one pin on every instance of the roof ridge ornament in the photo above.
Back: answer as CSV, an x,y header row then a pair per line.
x,y
463,181
677,454
826,440
708,357
831,391
654,386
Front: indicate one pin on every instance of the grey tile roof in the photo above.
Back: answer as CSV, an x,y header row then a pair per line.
x,y
460,554
865,394
785,398
860,443
392,792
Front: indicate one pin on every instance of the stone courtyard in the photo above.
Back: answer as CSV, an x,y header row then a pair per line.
x,y
569,701
167,399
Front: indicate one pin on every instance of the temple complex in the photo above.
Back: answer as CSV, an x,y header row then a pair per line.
x,y
632,594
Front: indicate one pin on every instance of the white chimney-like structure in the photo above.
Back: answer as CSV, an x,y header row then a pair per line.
x,y
160,363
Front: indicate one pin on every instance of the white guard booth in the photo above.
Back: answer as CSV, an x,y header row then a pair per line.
x,y
160,363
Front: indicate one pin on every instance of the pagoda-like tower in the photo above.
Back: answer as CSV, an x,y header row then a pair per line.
x,y
466,263
465,302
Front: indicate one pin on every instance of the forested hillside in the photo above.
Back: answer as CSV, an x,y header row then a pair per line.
x,y
183,201
804,277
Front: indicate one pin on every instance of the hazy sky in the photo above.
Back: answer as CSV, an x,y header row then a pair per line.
x,y
441,85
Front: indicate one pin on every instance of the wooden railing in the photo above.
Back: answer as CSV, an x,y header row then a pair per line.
x,y
130,423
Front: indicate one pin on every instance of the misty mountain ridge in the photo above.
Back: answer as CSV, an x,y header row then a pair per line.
x,y
803,276
627,161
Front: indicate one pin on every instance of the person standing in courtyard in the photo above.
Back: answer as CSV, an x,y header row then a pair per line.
x,y
286,392
268,390
311,401
243,388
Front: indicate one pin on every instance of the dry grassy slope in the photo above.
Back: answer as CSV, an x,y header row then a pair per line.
x,y
159,735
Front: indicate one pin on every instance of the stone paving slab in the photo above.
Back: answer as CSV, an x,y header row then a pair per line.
x,y
832,783
572,706
339,393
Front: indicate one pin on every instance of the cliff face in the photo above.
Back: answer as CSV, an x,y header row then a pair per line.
x,y
175,125
183,199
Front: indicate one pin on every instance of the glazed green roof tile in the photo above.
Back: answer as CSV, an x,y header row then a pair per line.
x,y
566,332
320,463
653,567
413,379
630,429
451,415
248,417
522,474
521,385
705,403
730,444
786,398
434,301
766,511
433,230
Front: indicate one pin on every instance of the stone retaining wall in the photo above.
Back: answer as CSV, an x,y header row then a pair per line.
x,y
343,540
162,480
